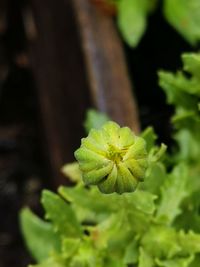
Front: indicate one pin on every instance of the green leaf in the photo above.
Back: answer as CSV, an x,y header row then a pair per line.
x,y
184,119
141,200
95,120
191,63
150,137
72,171
145,260
108,235
161,242
132,19
61,214
196,261
70,247
188,145
39,236
89,204
181,89
173,192
53,261
190,242
184,16
113,262
131,253
156,153
188,220
176,87
87,256
155,177
140,220
177,262
190,217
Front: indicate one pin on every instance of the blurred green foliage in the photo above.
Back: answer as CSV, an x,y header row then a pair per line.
x,y
156,226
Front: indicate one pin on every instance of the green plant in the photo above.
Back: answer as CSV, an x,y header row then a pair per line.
x,y
183,15
158,225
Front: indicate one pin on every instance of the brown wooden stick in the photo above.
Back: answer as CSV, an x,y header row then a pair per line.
x,y
108,76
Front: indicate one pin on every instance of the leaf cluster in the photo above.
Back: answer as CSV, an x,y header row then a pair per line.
x,y
182,15
156,226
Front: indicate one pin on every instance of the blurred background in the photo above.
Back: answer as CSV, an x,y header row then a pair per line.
x,y
57,59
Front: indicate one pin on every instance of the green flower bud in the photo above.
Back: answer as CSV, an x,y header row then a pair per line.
x,y
112,158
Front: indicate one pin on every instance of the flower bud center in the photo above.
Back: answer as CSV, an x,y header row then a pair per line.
x,y
115,154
